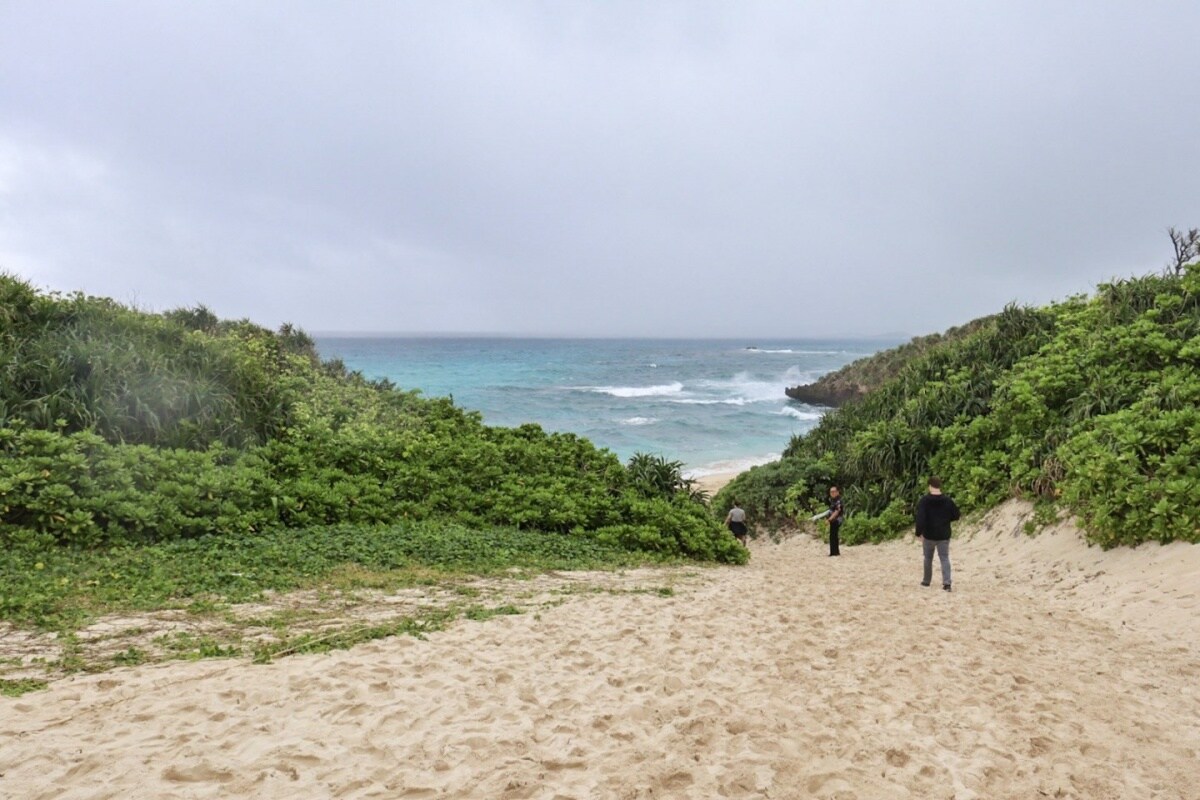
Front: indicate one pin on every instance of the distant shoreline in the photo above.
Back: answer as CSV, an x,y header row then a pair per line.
x,y
716,481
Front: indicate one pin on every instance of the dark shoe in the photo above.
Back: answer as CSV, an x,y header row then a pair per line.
x,y
924,583
946,586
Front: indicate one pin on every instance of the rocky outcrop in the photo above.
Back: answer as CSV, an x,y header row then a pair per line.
x,y
831,394
859,377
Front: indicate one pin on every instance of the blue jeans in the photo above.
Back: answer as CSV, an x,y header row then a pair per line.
x,y
943,551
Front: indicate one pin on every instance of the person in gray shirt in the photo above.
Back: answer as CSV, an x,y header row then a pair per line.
x,y
736,521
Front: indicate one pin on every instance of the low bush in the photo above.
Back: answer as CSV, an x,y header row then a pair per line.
x,y
61,588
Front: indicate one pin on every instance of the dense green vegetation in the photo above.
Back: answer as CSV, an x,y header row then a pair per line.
x,y
63,588
122,429
1091,405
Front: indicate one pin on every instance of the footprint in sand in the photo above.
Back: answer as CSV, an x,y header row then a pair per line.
x,y
196,773
674,782
830,784
1039,745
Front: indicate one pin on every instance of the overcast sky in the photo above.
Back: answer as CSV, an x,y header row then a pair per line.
x,y
605,168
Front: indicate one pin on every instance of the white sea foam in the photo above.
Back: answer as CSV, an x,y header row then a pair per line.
x,y
742,389
696,401
639,421
794,375
732,465
792,411
661,390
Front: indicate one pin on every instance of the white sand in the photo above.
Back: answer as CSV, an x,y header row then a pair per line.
x,y
1052,670
713,483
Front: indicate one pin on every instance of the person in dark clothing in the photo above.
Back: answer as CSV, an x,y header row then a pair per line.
x,y
935,512
836,511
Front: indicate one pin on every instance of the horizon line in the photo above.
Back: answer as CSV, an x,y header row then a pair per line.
x,y
361,334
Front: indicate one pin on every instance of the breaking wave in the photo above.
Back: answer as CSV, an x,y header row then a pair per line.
x,y
662,390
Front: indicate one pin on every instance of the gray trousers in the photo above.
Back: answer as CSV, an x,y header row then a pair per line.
x,y
943,551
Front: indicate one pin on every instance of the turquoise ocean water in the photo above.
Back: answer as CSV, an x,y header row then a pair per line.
x,y
715,405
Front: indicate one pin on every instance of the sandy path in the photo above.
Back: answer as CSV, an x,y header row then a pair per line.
x,y
798,676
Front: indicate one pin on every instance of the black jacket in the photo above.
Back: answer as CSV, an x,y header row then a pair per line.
x,y
935,512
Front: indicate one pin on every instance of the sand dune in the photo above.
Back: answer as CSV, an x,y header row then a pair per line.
x,y
1052,671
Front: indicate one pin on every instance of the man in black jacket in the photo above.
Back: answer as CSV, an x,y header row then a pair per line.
x,y
935,512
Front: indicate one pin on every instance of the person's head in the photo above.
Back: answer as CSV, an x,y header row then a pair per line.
x,y
735,503
835,491
935,484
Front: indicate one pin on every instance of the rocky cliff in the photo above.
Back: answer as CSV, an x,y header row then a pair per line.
x,y
828,391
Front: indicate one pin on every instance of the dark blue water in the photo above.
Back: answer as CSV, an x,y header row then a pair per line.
x,y
715,405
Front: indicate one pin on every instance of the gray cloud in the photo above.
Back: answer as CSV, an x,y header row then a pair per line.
x,y
609,168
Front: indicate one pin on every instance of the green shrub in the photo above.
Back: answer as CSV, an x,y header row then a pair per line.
x,y
61,587
1090,403
119,427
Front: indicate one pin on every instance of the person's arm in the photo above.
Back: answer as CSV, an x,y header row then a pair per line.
x,y
921,518
953,510
728,516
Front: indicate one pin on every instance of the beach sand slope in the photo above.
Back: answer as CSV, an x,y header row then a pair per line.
x,y
1052,670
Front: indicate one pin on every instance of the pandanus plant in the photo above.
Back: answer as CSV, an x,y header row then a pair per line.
x,y
655,476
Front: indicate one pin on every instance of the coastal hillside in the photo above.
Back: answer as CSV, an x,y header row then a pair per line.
x,y
859,377
120,427
1089,406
